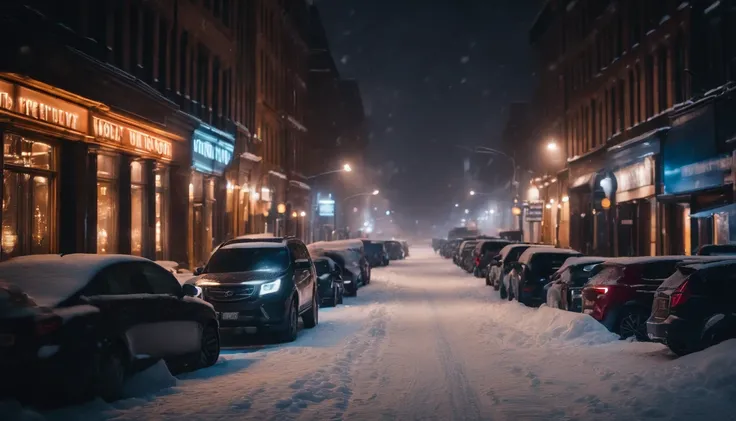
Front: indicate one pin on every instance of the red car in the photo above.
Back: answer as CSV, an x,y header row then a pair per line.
x,y
620,295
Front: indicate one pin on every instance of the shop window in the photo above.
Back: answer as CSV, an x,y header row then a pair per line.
x,y
162,212
138,208
107,202
203,195
27,197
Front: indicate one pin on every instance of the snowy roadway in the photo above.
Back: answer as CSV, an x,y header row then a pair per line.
x,y
426,341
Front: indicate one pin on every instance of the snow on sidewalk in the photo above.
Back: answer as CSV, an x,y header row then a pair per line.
x,y
427,341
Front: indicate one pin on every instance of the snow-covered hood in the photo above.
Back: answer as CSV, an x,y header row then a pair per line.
x,y
237,277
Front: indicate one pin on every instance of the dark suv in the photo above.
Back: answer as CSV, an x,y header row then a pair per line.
x,y
261,286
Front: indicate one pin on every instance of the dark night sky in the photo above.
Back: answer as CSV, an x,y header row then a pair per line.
x,y
433,74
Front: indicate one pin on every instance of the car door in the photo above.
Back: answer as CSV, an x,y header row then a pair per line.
x,y
301,274
312,281
123,296
179,324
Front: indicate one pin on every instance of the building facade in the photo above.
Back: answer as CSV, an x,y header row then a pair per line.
x,y
138,108
613,75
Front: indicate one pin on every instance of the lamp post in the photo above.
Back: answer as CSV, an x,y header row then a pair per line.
x,y
371,193
344,168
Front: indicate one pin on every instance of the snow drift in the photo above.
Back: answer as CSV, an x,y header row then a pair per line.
x,y
543,325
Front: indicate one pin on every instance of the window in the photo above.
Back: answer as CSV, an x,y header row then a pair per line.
x,y
183,64
322,267
98,22
107,202
649,86
118,37
678,67
119,279
621,112
662,78
634,22
134,39
160,281
594,131
138,211
148,43
162,212
28,179
632,99
161,75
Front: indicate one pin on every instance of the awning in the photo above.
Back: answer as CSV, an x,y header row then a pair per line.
x,y
582,181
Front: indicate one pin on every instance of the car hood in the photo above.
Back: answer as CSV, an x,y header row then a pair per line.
x,y
255,277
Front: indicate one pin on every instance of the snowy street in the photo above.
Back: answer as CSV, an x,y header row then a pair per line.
x,y
427,341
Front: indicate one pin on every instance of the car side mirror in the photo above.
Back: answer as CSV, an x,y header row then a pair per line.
x,y
189,290
198,271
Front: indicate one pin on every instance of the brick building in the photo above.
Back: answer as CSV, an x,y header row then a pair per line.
x,y
612,75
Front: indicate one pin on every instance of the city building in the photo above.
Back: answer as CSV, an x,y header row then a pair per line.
x,y
613,75
135,110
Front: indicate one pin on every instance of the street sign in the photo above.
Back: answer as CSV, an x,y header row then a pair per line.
x,y
326,207
535,211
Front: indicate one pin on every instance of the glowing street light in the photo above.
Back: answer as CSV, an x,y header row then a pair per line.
x,y
457,205
552,146
347,168
472,192
303,214
493,211
467,211
375,192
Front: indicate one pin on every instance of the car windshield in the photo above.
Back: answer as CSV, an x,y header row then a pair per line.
x,y
322,267
608,275
373,248
248,260
514,254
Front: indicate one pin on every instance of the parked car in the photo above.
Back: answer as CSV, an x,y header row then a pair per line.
x,y
565,288
77,325
484,253
349,246
330,287
694,308
375,253
502,264
533,271
449,248
394,249
620,295
437,244
352,276
262,287
465,257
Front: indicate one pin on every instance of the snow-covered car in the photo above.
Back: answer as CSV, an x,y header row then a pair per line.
x,y
533,271
498,272
565,286
352,276
353,250
83,323
261,286
483,255
182,274
329,279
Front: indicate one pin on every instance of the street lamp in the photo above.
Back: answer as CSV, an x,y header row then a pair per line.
x,y
375,192
472,192
552,146
457,205
467,211
345,168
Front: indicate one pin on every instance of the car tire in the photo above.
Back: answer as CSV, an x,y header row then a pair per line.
x,y
292,324
111,374
633,322
503,293
209,351
488,282
311,317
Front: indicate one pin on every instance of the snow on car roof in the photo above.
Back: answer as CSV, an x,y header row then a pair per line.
x,y
534,250
638,260
580,261
337,245
52,278
507,249
167,264
255,236
252,245
711,263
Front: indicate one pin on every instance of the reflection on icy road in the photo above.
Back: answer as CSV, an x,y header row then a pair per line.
x,y
426,341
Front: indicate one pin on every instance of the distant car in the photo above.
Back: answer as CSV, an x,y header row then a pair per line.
x,y
533,271
503,263
262,286
395,250
465,257
353,249
716,250
565,288
484,253
84,323
375,253
329,279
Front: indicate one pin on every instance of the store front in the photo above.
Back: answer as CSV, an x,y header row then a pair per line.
x,y
298,209
587,218
632,168
698,179
68,159
211,196
277,217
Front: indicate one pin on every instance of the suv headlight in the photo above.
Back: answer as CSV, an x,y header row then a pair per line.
x,y
270,287
199,291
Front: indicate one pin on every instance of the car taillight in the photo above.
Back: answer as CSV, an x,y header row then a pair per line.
x,y
48,325
593,293
477,261
680,296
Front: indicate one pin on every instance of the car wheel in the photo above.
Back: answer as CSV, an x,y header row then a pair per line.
x,y
311,318
111,375
633,322
210,348
504,295
292,325
488,282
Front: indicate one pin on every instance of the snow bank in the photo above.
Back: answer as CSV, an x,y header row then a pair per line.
x,y
543,325
151,380
13,411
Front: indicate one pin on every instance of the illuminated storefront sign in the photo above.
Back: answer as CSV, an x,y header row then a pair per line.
x,y
6,96
50,110
212,153
131,138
